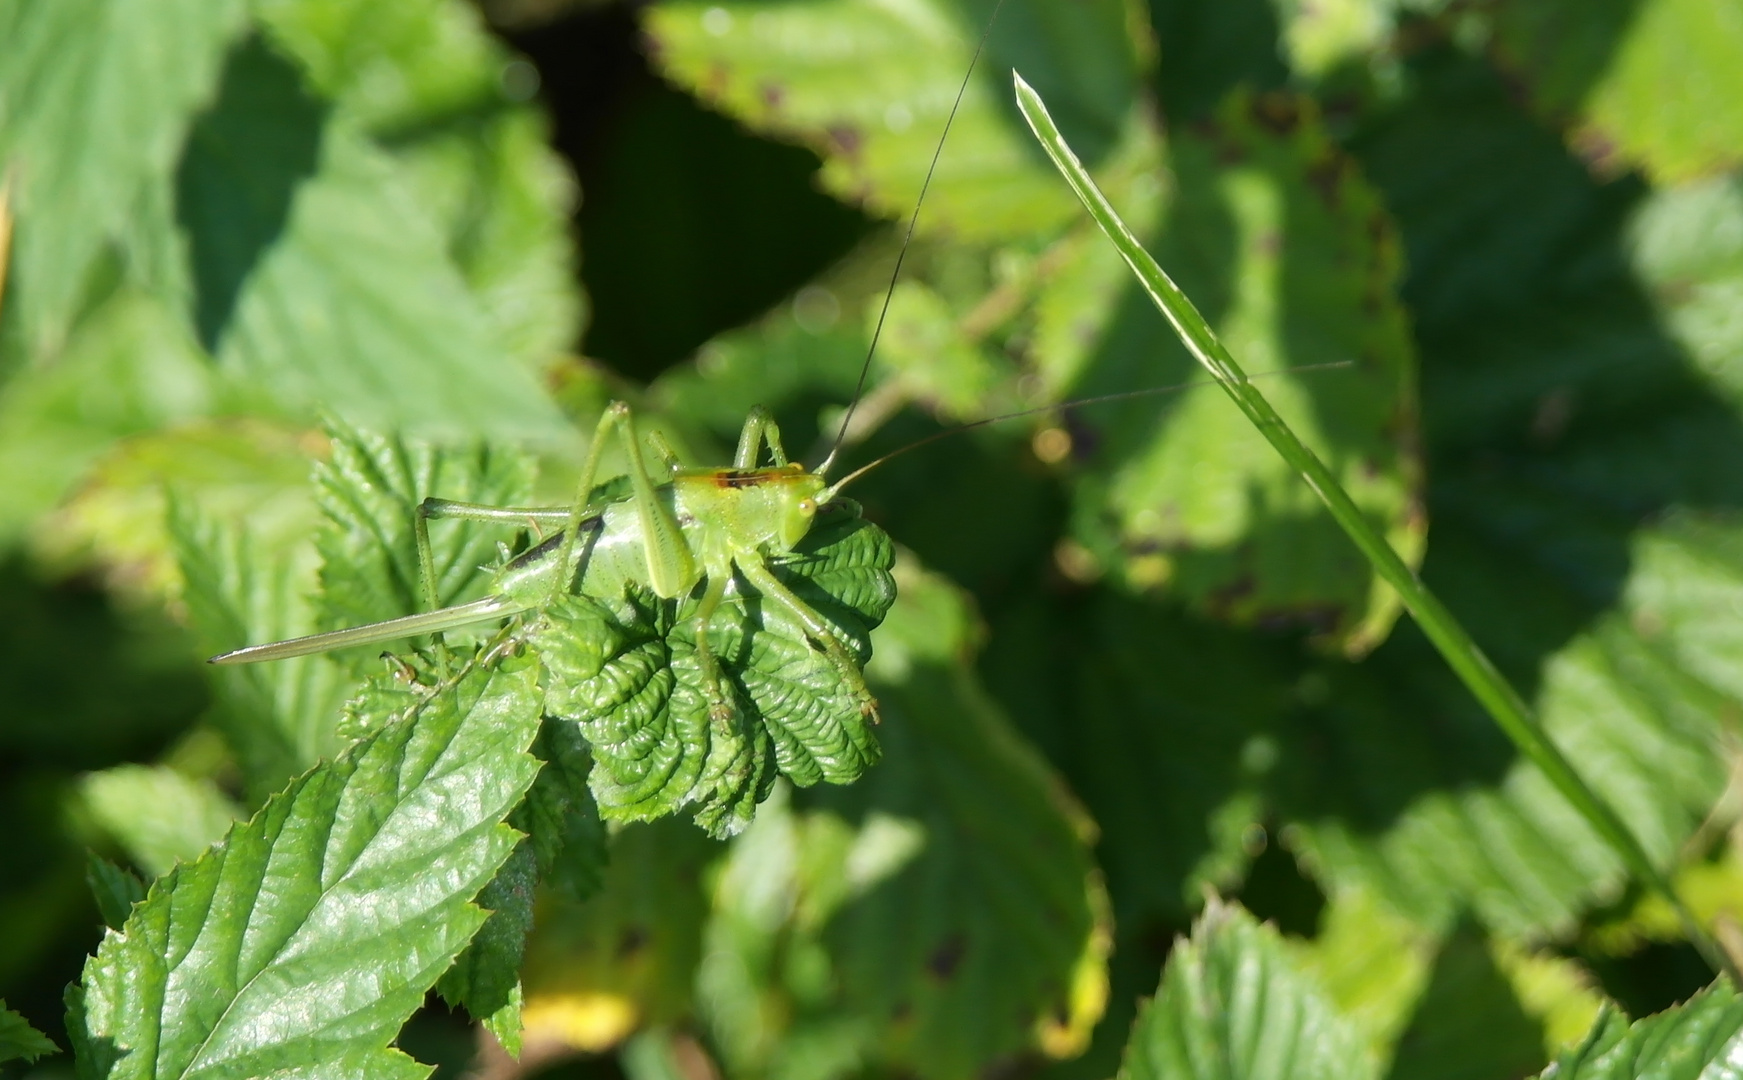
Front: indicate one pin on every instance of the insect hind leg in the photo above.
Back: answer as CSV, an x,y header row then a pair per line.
x,y
817,631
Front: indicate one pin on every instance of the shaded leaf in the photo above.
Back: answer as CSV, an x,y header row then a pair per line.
x,y
115,888
18,1040
626,957
560,817
316,929
1233,1004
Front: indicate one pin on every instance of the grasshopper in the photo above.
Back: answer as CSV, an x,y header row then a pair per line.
x,y
700,526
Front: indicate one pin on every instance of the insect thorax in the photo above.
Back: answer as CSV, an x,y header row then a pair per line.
x,y
766,509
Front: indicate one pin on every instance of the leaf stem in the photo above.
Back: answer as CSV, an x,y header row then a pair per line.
x,y
1496,694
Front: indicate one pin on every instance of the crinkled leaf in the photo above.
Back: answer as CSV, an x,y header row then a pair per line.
x,y
307,938
1288,252
96,97
157,815
878,921
277,717
624,667
1233,1004
322,283
446,100
868,86
18,1040
1655,84
627,956
1699,1038
115,888
369,491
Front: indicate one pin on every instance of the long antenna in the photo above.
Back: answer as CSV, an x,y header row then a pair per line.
x,y
1062,406
907,239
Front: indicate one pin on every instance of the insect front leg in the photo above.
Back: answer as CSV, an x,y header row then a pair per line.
x,y
672,567
759,427
817,630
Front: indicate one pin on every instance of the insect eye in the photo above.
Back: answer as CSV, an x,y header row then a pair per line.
x,y
806,506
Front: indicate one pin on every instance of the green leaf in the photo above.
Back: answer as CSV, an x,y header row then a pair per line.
x,y
53,428
306,939
1603,68
1287,249
115,888
369,491
1699,1038
18,1040
95,99
278,718
1233,1004
249,473
880,917
159,816
446,100
625,668
868,87
1585,532
560,818
321,281
1468,1021
485,980
626,957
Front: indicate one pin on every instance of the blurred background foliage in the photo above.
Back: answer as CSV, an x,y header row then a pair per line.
x,y
1135,666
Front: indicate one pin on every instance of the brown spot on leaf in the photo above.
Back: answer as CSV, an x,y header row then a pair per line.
x,y
846,138
631,941
946,958
1276,112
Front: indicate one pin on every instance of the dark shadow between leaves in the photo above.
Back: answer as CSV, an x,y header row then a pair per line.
x,y
237,182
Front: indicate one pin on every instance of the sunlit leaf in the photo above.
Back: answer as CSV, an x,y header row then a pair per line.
x,y
623,665
868,87
1288,252
323,283
1700,1038
369,492
1653,84
96,97
306,939
448,102
159,816
1233,1004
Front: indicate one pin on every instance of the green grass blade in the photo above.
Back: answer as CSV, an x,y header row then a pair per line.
x,y
1497,696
